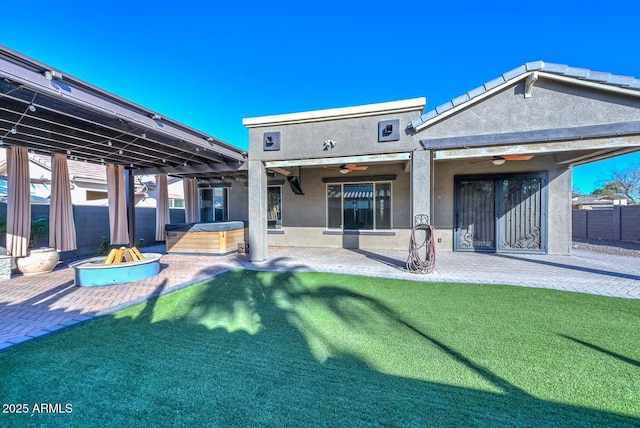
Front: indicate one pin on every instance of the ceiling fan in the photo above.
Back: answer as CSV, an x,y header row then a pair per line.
x,y
499,160
348,167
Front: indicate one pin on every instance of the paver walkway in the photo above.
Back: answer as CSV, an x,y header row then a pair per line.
x,y
37,305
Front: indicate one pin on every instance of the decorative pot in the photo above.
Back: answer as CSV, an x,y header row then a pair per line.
x,y
38,261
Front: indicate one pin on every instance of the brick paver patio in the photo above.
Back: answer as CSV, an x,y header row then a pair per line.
x,y
37,305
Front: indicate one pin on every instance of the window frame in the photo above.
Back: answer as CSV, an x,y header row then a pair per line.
x,y
374,183
279,186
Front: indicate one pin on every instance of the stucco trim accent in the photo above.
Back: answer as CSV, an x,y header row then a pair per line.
x,y
359,179
390,157
392,107
578,133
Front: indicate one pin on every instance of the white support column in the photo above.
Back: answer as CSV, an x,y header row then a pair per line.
x,y
258,251
421,184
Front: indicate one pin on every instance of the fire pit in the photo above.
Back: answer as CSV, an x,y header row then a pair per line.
x,y
95,272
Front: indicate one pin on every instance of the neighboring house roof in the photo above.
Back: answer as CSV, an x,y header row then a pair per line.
x,y
625,84
589,202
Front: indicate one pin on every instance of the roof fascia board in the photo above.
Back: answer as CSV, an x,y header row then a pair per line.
x,y
192,169
534,74
631,143
590,84
414,104
471,101
392,157
543,135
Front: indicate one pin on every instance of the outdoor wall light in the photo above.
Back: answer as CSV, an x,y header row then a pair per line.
x,y
50,75
344,171
329,144
499,161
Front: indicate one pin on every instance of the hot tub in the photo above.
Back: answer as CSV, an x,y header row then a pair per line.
x,y
205,238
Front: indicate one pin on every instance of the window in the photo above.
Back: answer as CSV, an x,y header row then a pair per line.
x,y
274,207
213,204
176,203
359,206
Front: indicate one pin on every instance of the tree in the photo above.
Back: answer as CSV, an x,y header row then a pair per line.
x,y
621,184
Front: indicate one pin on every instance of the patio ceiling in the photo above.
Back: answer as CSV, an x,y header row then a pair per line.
x,y
50,112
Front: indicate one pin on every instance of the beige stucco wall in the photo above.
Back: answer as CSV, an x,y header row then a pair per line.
x,y
304,217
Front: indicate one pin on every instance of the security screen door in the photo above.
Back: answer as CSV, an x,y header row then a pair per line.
x,y
501,213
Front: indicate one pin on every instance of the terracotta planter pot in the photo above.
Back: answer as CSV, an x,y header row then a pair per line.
x,y
39,261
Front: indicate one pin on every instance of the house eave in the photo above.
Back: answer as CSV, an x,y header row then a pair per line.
x,y
392,107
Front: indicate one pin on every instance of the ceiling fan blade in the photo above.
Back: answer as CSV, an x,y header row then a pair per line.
x,y
517,157
354,167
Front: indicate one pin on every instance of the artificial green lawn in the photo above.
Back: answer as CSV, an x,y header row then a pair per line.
x,y
307,349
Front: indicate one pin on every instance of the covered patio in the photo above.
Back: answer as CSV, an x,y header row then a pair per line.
x,y
47,112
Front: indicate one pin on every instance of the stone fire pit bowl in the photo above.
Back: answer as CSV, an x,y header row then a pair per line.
x,y
93,272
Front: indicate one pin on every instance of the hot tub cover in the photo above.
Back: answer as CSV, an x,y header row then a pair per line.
x,y
205,227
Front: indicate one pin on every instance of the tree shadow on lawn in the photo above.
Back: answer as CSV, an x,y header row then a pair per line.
x,y
263,348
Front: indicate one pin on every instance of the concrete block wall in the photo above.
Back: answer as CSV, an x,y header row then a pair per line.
x,y
579,224
630,223
92,223
618,224
600,224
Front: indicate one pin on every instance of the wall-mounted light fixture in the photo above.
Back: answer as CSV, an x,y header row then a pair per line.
x,y
329,144
499,161
155,116
51,75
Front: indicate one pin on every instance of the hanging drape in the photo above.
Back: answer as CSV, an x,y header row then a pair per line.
x,y
18,202
190,200
162,206
117,205
62,228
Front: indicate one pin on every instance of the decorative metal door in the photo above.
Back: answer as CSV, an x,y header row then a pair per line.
x,y
475,215
501,213
520,220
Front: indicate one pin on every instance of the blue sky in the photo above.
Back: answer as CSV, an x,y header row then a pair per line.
x,y
209,64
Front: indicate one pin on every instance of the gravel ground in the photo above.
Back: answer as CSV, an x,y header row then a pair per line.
x,y
622,248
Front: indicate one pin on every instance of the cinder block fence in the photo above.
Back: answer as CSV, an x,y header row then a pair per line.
x,y
92,223
622,223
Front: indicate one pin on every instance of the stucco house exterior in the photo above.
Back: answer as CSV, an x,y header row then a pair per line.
x,y
491,168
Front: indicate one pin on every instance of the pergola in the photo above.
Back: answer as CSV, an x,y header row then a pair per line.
x,y
50,113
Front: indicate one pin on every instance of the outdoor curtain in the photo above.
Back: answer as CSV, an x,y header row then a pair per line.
x,y
162,206
190,200
62,228
117,205
18,202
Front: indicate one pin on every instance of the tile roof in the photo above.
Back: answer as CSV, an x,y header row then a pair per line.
x,y
583,74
